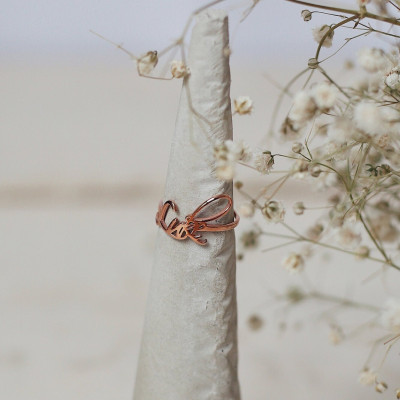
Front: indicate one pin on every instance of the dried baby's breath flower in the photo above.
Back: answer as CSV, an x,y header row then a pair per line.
x,y
390,317
246,210
324,95
298,208
225,170
306,15
250,239
319,33
297,147
348,237
368,117
367,377
383,141
264,162
243,105
393,78
273,211
300,169
303,109
255,322
362,252
383,229
312,63
372,59
380,387
179,69
238,151
226,154
314,232
288,129
294,262
336,334
315,171
147,62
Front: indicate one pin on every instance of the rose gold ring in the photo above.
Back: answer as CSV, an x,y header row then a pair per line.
x,y
189,228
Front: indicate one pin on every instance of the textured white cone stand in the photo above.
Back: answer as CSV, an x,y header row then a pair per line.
x,y
189,344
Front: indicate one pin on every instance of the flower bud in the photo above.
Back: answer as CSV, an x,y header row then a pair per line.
x,y
299,208
306,15
179,69
315,171
312,63
381,387
243,105
297,147
246,210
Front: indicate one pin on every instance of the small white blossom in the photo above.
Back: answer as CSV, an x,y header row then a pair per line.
x,y
299,208
264,162
383,229
390,317
243,105
393,78
362,252
147,62
232,151
294,262
179,69
273,211
372,59
306,15
315,171
300,169
238,151
367,377
368,117
246,210
324,95
303,108
314,232
380,387
225,170
297,147
320,31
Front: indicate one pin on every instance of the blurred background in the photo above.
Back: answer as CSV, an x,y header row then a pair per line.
x,y
84,146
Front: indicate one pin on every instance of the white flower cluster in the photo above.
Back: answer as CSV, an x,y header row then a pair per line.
x,y
227,154
179,69
325,33
320,98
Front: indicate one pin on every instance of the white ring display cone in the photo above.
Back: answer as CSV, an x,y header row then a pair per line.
x,y
189,343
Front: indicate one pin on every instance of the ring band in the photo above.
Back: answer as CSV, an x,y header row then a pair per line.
x,y
189,228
